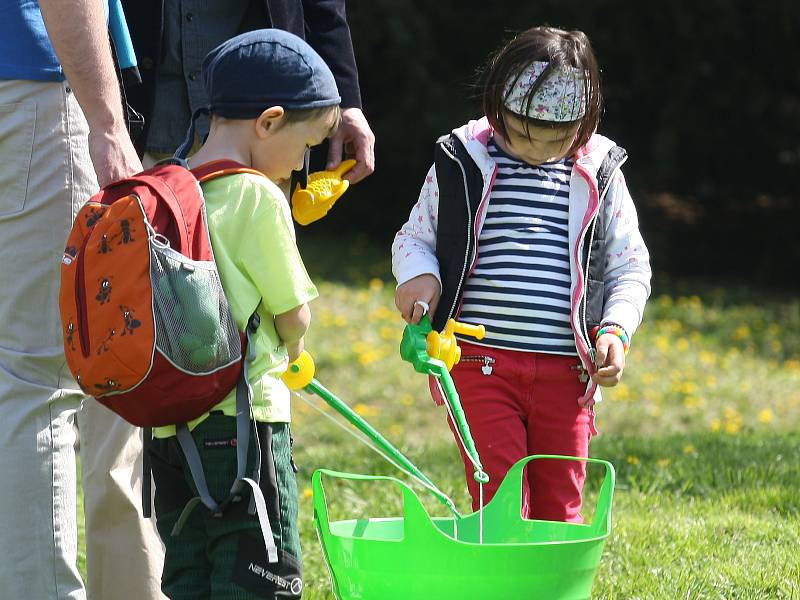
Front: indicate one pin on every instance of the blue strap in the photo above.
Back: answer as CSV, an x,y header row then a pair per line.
x,y
188,141
123,46
244,395
189,448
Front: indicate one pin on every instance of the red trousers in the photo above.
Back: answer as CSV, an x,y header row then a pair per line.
x,y
523,403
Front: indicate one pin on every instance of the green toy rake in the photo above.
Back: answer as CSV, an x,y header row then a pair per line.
x,y
491,553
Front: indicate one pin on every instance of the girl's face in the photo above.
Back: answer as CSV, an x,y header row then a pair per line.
x,y
545,144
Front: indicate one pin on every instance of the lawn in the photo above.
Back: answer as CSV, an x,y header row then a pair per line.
x,y
702,433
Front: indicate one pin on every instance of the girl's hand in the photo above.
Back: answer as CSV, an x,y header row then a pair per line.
x,y
422,288
610,360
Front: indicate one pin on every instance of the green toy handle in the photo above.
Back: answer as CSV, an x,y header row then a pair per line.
x,y
414,349
415,516
507,500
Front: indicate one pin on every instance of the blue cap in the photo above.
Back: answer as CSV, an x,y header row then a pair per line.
x,y
258,69
263,68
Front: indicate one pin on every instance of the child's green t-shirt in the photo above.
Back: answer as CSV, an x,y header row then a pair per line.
x,y
254,245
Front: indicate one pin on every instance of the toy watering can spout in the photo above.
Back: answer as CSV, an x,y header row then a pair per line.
x,y
324,188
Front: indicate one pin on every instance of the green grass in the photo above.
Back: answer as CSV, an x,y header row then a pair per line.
x,y
703,433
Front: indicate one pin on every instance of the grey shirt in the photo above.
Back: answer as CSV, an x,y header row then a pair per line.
x,y
192,28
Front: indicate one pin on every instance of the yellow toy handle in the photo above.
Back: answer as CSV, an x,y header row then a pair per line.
x,y
444,346
300,372
343,167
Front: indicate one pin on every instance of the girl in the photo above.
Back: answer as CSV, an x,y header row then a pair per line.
x,y
525,225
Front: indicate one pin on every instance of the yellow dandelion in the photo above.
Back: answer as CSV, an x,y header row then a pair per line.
x,y
389,333
682,345
742,332
694,402
715,425
707,358
665,301
633,460
649,378
369,357
375,284
662,343
689,387
733,427
340,320
407,399
308,492
364,410
765,416
396,430
689,449
622,392
663,462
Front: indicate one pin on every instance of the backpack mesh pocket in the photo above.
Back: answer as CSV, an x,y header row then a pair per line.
x,y
195,329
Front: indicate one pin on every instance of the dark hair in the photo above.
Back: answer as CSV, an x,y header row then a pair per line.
x,y
559,48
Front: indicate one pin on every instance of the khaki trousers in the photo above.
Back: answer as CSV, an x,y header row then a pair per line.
x,y
45,176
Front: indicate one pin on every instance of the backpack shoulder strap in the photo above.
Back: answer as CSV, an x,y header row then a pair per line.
x,y
218,168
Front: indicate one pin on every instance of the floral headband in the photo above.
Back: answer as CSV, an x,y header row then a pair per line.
x,y
560,97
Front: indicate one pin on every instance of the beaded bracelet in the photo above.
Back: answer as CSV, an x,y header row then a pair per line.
x,y
617,331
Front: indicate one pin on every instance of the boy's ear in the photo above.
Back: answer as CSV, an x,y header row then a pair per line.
x,y
268,120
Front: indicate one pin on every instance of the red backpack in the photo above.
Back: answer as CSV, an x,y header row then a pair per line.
x,y
147,328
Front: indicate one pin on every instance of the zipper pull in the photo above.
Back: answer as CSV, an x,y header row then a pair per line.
x,y
583,374
486,369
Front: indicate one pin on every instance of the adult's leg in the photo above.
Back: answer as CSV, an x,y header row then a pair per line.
x,y
557,425
124,556
38,530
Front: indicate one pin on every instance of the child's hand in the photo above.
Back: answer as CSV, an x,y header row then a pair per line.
x,y
422,288
610,360
295,349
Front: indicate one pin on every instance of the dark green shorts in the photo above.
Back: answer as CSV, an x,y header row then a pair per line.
x,y
224,558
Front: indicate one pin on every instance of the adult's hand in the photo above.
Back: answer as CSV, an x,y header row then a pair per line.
x,y
355,138
79,33
113,155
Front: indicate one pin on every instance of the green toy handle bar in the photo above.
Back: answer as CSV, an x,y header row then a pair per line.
x,y
508,498
418,343
297,377
412,507
503,508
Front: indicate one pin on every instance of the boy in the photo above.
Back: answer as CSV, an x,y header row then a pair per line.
x,y
271,98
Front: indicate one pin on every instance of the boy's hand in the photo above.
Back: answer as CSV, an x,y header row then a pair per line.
x,y
422,288
295,349
609,359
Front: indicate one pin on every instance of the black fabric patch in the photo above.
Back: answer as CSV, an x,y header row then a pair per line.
x,y
256,574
